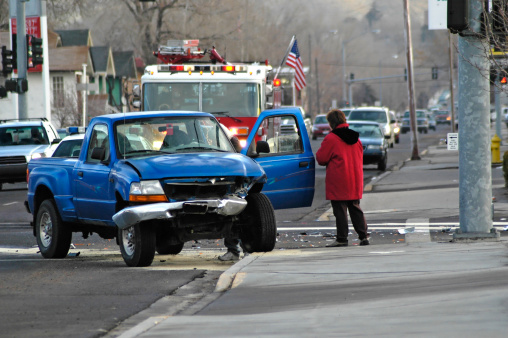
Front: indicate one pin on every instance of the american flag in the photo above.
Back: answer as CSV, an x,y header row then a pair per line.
x,y
294,61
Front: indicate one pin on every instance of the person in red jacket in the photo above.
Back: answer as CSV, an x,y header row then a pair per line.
x,y
342,153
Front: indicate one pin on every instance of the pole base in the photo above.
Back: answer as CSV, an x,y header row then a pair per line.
x,y
470,237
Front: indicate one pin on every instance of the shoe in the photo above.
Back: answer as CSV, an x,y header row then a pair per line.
x,y
337,244
365,241
229,257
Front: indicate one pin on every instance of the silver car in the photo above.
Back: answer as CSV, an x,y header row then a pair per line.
x,y
22,141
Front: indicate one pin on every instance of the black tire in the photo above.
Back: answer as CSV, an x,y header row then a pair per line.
x,y
382,164
53,238
166,244
258,229
137,244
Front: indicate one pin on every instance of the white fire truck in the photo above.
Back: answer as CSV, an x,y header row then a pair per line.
x,y
235,93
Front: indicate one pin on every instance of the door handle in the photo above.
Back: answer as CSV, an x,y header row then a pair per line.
x,y
304,164
80,173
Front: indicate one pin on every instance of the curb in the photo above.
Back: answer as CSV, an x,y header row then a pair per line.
x,y
227,277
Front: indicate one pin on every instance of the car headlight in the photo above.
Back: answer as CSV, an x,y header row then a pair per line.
x,y
387,129
375,146
37,155
396,130
147,191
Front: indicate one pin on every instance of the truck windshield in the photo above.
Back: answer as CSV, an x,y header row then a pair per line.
x,y
170,134
234,99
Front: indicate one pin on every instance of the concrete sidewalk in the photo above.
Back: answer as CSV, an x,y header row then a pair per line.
x,y
414,289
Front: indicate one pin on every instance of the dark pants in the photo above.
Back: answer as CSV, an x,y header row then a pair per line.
x,y
340,209
233,245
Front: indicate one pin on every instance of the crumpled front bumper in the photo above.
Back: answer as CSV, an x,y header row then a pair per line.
x,y
129,216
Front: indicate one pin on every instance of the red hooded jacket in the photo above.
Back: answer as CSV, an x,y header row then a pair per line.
x,y
342,153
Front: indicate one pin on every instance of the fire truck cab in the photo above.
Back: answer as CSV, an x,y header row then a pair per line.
x,y
235,93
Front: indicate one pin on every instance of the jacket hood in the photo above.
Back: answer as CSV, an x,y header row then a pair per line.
x,y
196,165
347,135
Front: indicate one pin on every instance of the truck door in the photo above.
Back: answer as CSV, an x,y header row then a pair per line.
x,y
91,180
289,164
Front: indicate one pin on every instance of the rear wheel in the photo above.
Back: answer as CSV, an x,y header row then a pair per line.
x,y
258,229
53,238
137,244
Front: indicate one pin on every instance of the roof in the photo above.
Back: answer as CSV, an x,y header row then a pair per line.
x,y
102,59
75,37
150,114
68,58
124,64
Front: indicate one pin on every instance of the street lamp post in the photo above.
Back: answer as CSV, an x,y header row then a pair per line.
x,y
345,82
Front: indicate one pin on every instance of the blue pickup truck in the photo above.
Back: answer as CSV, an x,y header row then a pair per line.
x,y
155,180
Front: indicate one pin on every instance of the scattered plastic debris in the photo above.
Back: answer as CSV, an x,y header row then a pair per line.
x,y
446,229
73,246
74,254
406,230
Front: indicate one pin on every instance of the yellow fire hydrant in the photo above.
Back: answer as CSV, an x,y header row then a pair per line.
x,y
495,147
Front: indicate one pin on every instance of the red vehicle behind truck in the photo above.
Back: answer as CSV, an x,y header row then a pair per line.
x,y
235,93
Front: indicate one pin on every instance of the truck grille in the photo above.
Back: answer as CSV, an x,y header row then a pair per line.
x,y
12,160
176,190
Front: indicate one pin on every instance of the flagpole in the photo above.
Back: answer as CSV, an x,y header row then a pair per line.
x,y
285,56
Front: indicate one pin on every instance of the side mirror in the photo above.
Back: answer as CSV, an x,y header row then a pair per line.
x,y
56,141
262,147
387,137
136,104
392,121
98,153
136,91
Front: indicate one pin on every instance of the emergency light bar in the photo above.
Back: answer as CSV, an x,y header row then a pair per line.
x,y
202,68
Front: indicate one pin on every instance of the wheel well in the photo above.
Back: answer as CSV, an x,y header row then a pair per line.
x,y
41,194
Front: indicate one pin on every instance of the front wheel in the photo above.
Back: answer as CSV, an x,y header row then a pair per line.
x,y
137,244
53,238
258,229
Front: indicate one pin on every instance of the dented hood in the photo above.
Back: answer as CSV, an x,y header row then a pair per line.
x,y
195,165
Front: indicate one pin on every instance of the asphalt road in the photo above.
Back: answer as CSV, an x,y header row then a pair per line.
x,y
91,291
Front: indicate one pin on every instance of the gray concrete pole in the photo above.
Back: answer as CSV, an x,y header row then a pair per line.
x,y
475,174
21,55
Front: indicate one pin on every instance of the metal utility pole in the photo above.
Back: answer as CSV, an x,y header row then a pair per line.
x,y
410,81
309,91
317,88
452,96
21,53
475,174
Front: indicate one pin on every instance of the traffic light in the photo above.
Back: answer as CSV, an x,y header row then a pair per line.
x,y
17,85
9,61
33,51
457,15
499,15
352,76
434,73
405,74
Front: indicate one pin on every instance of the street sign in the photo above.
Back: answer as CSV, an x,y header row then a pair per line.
x,y
453,141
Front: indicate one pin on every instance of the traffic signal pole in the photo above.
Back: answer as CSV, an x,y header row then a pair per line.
x,y
475,173
22,58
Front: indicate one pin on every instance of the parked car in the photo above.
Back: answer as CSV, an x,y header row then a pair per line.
x,y
432,122
189,184
422,121
306,119
380,115
320,128
443,117
396,126
22,141
374,142
347,111
70,146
